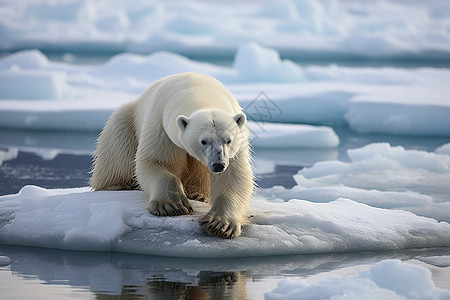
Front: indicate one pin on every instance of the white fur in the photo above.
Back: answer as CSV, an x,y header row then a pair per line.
x,y
184,137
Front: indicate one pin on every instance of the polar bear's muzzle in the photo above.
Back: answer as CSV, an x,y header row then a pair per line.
x,y
218,163
218,167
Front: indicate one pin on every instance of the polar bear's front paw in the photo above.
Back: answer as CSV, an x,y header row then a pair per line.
x,y
198,197
170,208
221,227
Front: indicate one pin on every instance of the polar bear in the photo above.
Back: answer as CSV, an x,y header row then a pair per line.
x,y
184,138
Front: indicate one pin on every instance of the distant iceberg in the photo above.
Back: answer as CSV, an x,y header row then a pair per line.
x,y
304,28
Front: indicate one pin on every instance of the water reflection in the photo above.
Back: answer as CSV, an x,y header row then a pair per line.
x,y
211,285
126,276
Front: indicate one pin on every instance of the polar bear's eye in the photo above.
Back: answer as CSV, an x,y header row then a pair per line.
x,y
203,142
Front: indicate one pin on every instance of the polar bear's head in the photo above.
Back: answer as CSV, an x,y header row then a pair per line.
x,y
213,136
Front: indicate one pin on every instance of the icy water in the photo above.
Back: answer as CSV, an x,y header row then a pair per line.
x,y
55,160
63,159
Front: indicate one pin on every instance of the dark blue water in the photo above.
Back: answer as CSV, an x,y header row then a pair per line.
x,y
63,159
226,57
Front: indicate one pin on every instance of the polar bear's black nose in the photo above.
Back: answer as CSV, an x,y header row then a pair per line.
x,y
218,167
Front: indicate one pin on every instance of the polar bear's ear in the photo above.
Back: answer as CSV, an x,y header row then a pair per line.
x,y
240,119
182,122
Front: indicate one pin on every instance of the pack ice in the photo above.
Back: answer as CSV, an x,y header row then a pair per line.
x,y
36,93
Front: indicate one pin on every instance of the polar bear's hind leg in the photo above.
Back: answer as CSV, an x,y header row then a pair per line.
x,y
115,153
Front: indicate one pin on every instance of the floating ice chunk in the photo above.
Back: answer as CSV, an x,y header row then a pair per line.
x,y
256,63
399,118
438,261
151,67
388,279
9,154
322,194
409,158
27,59
262,166
79,219
381,176
4,261
269,135
382,156
53,115
411,282
323,104
444,149
33,84
27,75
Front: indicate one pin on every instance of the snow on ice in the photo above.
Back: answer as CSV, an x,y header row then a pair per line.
x,y
380,176
313,219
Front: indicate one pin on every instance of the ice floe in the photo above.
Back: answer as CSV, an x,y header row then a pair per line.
x,y
393,200
286,136
4,261
444,149
79,219
378,175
